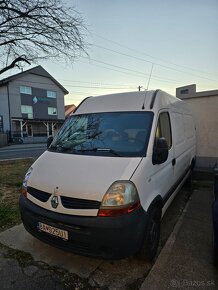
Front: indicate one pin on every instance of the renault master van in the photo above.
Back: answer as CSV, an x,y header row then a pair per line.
x,y
109,175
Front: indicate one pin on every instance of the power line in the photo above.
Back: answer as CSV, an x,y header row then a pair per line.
x,y
103,88
85,93
93,83
123,72
149,55
136,72
151,62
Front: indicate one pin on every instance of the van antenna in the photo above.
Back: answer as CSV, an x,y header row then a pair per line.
x,y
150,75
149,79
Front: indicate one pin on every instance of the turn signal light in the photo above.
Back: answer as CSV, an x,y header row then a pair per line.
x,y
118,211
24,192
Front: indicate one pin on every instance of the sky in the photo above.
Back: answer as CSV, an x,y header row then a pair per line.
x,y
174,41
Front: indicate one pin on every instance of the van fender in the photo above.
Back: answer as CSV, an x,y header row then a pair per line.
x,y
154,202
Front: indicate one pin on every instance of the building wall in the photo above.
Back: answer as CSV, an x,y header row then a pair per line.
x,y
39,86
3,140
4,111
204,107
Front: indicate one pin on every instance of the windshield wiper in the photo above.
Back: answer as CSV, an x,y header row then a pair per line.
x,y
95,149
60,148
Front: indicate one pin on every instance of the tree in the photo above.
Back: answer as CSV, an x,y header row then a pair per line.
x,y
31,30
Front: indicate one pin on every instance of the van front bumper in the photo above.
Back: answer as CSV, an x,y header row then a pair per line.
x,y
107,237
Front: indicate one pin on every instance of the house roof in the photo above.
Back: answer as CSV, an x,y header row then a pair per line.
x,y
38,70
69,109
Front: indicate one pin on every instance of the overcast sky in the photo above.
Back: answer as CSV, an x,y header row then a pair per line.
x,y
180,38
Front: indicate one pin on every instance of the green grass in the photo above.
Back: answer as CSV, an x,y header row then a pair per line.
x,y
11,177
9,214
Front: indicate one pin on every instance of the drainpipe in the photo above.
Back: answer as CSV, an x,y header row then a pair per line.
x,y
9,112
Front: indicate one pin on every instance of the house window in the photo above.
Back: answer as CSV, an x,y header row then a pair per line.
x,y
27,110
51,94
52,111
25,90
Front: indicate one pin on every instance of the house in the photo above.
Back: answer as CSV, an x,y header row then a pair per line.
x,y
69,109
204,107
31,105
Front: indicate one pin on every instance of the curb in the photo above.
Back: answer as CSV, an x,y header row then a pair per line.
x,y
166,250
15,159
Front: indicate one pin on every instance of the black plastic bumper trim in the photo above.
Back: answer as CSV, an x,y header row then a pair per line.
x,y
107,237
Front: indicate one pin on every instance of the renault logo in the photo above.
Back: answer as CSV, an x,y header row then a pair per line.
x,y
54,200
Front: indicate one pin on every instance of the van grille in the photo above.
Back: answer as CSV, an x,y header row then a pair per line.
x,y
67,202
38,194
77,203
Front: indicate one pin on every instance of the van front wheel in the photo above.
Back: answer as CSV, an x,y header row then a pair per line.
x,y
152,236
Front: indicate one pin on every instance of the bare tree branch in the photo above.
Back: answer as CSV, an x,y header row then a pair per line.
x,y
39,29
14,63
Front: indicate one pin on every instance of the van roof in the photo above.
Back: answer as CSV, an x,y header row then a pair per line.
x,y
131,101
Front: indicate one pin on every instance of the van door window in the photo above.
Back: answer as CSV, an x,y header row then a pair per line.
x,y
164,129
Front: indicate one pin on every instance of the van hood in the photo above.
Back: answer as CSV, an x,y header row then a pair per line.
x,y
78,176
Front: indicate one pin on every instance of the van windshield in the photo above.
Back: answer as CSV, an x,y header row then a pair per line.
x,y
122,134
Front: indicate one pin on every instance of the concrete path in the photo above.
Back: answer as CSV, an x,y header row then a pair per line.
x,y
103,274
14,277
18,238
186,260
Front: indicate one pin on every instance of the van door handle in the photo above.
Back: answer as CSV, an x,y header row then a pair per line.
x,y
174,161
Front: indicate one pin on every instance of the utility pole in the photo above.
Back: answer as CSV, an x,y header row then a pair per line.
x,y
139,88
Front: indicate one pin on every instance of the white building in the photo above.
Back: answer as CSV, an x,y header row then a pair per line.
x,y
204,106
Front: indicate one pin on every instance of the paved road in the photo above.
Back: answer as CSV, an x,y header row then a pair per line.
x,y
22,151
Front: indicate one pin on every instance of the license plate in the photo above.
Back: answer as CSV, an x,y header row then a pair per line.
x,y
52,231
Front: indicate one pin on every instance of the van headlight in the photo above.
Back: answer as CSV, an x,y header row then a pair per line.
x,y
26,178
121,198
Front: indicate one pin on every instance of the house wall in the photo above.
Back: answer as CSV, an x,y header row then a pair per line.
x,y
205,113
204,107
39,86
4,110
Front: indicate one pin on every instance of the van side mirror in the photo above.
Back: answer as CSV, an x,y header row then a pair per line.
x,y
49,141
160,152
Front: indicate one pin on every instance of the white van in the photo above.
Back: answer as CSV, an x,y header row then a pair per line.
x,y
110,173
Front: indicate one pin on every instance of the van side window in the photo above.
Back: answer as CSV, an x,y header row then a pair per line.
x,y
164,129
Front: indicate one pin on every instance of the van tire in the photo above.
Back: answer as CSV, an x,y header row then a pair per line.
x,y
150,243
